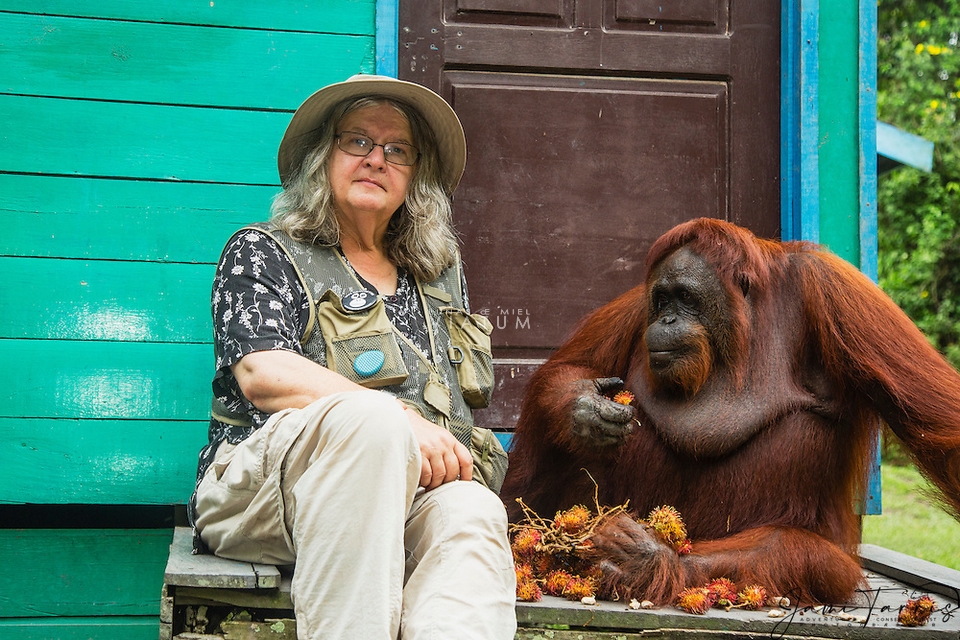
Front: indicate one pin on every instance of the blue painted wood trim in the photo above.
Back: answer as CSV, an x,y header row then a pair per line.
x,y
789,120
809,120
868,192
868,138
799,120
898,147
387,37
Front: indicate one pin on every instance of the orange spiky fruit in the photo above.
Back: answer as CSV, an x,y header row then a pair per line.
x,y
752,597
525,542
556,582
529,591
666,521
916,612
524,571
724,592
573,520
580,587
696,600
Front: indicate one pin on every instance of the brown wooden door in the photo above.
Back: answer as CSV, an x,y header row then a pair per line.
x,y
592,127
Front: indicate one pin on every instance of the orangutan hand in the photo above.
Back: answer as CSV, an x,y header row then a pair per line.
x,y
622,540
634,562
598,419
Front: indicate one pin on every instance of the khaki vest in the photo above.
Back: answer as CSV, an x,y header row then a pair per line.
x,y
348,332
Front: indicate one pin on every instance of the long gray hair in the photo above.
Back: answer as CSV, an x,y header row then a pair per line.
x,y
420,236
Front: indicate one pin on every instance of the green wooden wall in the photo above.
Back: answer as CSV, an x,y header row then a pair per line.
x,y
137,136
839,140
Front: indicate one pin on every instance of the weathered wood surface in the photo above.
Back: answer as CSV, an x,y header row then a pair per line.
x,y
872,615
208,571
920,574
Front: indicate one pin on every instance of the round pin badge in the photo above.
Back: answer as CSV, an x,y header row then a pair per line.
x,y
368,363
359,300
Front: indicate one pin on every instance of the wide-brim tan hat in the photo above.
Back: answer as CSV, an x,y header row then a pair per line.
x,y
310,116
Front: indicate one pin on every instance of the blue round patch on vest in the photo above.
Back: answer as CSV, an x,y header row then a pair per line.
x,y
368,363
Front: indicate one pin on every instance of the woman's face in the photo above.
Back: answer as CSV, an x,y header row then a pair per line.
x,y
370,184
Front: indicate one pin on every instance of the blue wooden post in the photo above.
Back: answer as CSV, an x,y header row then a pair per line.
x,y
799,121
388,25
868,190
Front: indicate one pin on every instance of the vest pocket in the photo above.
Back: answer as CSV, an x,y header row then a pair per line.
x,y
489,459
360,345
471,354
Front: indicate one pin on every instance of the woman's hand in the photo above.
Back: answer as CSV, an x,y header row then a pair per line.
x,y
443,457
275,380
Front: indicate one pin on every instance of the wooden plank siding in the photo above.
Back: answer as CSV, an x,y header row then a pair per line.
x,y
139,146
100,567
138,136
69,217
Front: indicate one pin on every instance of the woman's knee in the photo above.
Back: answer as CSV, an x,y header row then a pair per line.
x,y
367,418
471,504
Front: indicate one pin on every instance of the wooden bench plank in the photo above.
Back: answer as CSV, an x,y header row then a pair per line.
x,y
209,571
925,576
872,615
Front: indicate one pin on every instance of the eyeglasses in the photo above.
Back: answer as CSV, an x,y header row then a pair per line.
x,y
357,144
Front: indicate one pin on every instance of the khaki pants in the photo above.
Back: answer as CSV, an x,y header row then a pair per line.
x,y
333,489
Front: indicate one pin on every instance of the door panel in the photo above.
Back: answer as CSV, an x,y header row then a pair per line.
x,y
592,127
556,172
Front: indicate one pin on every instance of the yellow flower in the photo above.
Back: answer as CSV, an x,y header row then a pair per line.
x,y
934,104
934,49
924,24
919,48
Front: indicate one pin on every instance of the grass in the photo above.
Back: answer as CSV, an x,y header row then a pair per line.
x,y
912,523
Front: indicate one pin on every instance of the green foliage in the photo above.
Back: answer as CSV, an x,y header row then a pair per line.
x,y
919,213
